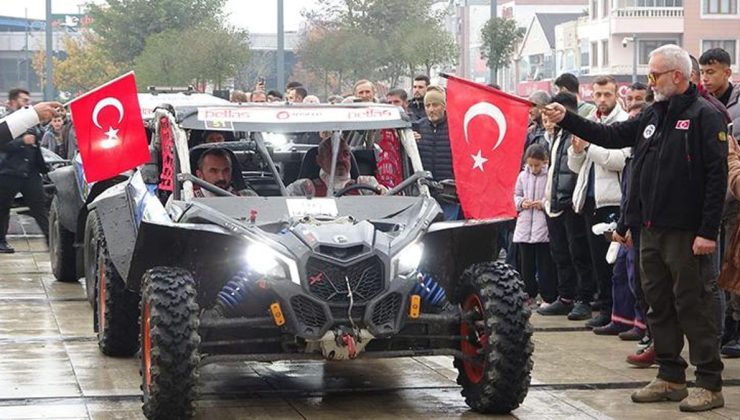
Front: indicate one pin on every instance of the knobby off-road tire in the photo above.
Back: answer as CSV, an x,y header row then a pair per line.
x,y
169,343
116,308
499,340
61,246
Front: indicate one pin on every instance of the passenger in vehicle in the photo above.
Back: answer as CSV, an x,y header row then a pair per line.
x,y
214,166
259,97
214,137
319,187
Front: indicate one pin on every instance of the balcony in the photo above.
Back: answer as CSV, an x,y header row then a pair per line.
x,y
650,20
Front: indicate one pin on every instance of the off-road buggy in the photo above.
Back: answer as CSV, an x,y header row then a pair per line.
x,y
69,193
196,281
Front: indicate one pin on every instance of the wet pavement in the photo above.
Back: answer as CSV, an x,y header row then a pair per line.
x,y
51,368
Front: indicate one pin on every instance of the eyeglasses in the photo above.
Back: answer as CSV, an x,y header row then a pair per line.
x,y
653,77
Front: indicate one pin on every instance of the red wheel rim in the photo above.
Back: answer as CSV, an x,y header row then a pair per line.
x,y
101,298
473,347
146,349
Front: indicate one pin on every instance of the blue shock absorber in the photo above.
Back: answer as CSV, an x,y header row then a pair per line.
x,y
430,291
233,293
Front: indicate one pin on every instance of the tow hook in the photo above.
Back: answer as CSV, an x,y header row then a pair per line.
x,y
345,338
349,341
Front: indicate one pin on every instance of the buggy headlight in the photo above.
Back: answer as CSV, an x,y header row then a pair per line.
x,y
408,260
267,262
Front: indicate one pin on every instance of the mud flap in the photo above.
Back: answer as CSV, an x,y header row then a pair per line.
x,y
451,247
210,255
70,201
116,211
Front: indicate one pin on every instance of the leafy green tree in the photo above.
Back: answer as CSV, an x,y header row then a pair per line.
x,y
212,54
124,25
87,65
375,39
500,37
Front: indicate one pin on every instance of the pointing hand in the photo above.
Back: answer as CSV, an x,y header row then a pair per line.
x,y
555,112
48,110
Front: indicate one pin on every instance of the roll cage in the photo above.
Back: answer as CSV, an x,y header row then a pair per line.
x,y
249,124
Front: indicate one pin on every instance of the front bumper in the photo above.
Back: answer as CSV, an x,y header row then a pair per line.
x,y
310,317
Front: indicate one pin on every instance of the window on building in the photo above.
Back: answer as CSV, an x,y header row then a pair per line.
x,y
650,3
719,7
728,45
647,45
605,53
594,54
605,8
594,9
570,60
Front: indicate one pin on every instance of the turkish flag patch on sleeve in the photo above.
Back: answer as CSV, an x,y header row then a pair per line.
x,y
487,130
683,124
109,129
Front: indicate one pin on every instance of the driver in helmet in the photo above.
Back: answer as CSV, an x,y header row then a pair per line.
x,y
319,187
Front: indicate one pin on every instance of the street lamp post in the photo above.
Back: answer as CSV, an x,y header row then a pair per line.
x,y
494,13
280,47
49,85
634,58
635,50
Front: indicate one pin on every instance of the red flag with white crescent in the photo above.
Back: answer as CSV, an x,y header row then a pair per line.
x,y
109,129
487,132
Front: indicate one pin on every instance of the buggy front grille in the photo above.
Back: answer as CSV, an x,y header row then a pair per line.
x,y
328,281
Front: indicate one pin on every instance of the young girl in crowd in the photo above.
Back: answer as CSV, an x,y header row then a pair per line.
x,y
531,226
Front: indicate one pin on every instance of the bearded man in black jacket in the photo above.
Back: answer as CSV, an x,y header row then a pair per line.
x,y
677,194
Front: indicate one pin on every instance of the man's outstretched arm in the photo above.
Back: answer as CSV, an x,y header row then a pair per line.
x,y
614,136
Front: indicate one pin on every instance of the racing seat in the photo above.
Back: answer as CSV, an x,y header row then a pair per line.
x,y
236,173
310,169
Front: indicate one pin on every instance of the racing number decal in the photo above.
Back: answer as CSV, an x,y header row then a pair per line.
x,y
219,125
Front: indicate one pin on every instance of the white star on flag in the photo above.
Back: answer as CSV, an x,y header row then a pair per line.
x,y
479,160
112,140
112,134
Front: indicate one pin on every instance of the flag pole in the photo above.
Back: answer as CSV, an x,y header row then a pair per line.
x,y
98,87
487,88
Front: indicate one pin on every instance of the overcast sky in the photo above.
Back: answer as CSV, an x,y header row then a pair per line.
x,y
257,16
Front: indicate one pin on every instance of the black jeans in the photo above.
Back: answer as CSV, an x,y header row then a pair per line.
x,y
598,246
537,265
678,287
33,194
570,253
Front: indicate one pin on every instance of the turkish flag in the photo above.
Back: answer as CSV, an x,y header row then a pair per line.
x,y
487,132
110,131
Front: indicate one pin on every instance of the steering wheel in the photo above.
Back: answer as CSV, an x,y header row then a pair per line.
x,y
354,187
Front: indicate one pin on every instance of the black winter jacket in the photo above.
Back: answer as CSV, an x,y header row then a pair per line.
x,y
563,179
417,110
679,173
434,148
22,160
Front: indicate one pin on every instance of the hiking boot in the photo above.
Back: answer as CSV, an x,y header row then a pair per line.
x,y
581,312
5,248
612,328
603,318
643,359
702,399
731,349
559,307
660,390
633,334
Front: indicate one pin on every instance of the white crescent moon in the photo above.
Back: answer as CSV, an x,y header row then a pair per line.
x,y
491,110
115,103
